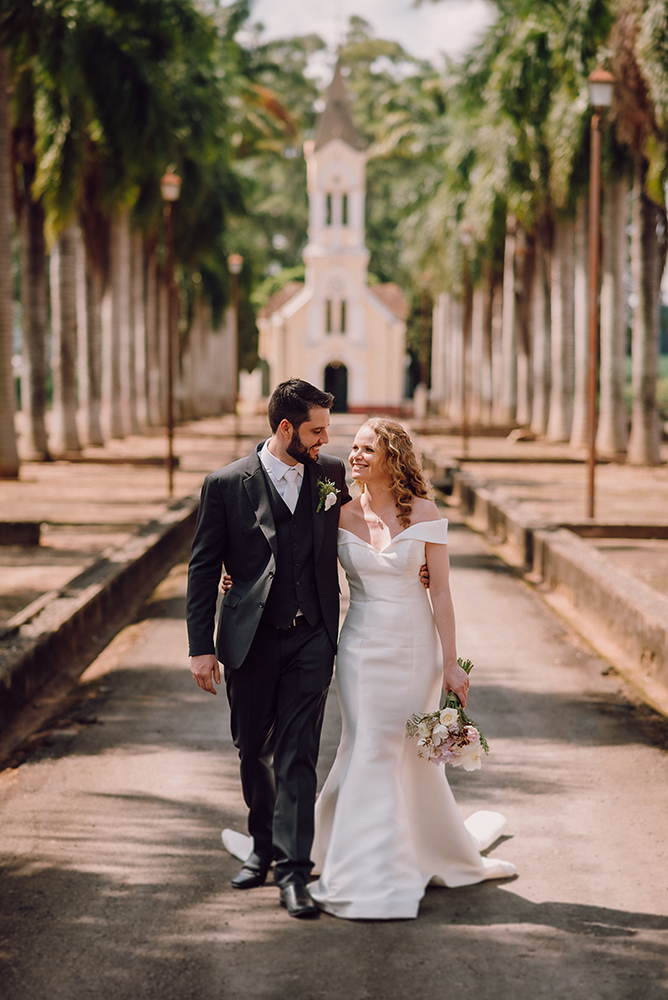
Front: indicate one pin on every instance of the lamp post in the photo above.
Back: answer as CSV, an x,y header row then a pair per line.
x,y
465,239
235,262
170,189
601,85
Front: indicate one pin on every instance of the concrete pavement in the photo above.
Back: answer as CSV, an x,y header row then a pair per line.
x,y
114,883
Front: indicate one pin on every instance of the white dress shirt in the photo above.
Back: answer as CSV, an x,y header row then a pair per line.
x,y
276,470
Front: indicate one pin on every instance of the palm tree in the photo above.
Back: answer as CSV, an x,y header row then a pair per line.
x,y
561,331
34,296
641,67
9,458
579,435
612,433
64,325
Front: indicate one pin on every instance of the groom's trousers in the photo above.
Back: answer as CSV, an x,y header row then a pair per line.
x,y
277,703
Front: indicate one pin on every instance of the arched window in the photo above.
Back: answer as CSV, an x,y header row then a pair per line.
x,y
328,217
344,210
343,315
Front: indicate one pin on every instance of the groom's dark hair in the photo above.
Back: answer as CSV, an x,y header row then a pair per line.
x,y
293,400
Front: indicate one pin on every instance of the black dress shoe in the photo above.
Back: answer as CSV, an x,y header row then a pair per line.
x,y
252,874
298,903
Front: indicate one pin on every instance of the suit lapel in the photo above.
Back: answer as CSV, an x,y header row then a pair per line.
x,y
258,494
315,472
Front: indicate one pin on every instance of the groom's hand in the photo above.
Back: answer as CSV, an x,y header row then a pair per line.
x,y
424,576
203,669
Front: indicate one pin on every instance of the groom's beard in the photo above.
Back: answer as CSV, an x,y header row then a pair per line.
x,y
297,450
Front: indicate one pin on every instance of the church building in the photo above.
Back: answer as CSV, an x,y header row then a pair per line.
x,y
335,330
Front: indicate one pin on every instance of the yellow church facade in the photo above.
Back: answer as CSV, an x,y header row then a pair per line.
x,y
335,330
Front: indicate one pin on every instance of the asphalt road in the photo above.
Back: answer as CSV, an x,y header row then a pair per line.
x,y
114,884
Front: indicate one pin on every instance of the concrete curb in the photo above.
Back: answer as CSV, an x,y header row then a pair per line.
x,y
67,632
619,615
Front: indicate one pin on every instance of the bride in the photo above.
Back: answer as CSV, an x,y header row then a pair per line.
x,y
386,821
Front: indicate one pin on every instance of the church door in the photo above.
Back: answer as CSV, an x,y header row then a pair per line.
x,y
336,382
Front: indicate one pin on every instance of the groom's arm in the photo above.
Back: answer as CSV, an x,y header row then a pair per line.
x,y
205,568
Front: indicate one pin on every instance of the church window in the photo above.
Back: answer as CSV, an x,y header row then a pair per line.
x,y
344,210
328,220
328,316
343,315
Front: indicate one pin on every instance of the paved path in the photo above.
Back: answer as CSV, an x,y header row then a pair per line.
x,y
114,884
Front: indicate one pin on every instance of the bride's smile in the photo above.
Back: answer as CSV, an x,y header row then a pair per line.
x,y
365,459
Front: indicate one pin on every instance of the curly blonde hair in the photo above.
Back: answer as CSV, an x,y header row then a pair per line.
x,y
401,463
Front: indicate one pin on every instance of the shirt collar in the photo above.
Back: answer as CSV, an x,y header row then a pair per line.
x,y
274,466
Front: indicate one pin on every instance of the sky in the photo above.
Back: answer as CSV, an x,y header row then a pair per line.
x,y
426,31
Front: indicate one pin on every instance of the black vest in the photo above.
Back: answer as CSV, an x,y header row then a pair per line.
x,y
294,588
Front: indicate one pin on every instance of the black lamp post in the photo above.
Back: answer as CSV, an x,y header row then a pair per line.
x,y
601,86
170,188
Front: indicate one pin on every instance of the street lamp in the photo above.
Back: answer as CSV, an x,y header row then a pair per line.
x,y
170,189
235,262
601,86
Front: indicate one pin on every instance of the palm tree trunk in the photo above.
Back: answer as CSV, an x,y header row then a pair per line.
x,y
33,267
64,325
645,278
438,357
561,330
94,286
525,263
508,400
579,432
477,354
114,338
486,393
139,329
497,349
82,327
540,334
9,457
129,325
34,307
152,340
612,431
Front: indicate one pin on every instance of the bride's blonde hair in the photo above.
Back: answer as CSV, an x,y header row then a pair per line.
x,y
401,463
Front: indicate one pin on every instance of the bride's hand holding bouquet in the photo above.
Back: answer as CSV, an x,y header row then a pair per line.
x,y
449,736
456,681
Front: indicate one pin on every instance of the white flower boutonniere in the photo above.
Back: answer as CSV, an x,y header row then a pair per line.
x,y
327,493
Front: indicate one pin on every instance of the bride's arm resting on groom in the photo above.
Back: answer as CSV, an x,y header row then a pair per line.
x,y
438,563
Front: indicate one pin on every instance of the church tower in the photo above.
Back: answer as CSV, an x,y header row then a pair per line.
x,y
335,330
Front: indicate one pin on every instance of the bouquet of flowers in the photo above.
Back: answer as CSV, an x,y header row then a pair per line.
x,y
449,736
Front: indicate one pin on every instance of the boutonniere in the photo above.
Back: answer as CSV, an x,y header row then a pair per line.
x,y
327,494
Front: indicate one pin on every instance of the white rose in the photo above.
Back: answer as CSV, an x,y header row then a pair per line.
x,y
470,758
472,763
424,730
330,500
449,717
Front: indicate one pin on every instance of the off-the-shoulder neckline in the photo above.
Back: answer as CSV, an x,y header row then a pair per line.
x,y
398,536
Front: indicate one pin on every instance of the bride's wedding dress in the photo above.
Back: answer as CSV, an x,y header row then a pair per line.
x,y
386,821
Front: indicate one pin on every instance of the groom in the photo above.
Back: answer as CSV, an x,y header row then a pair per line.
x,y
272,520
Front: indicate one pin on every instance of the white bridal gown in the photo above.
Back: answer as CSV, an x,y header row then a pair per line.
x,y
386,821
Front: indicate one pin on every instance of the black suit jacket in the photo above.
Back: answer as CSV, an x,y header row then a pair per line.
x,y
235,527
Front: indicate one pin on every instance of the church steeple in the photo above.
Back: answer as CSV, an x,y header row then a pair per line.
x,y
336,121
